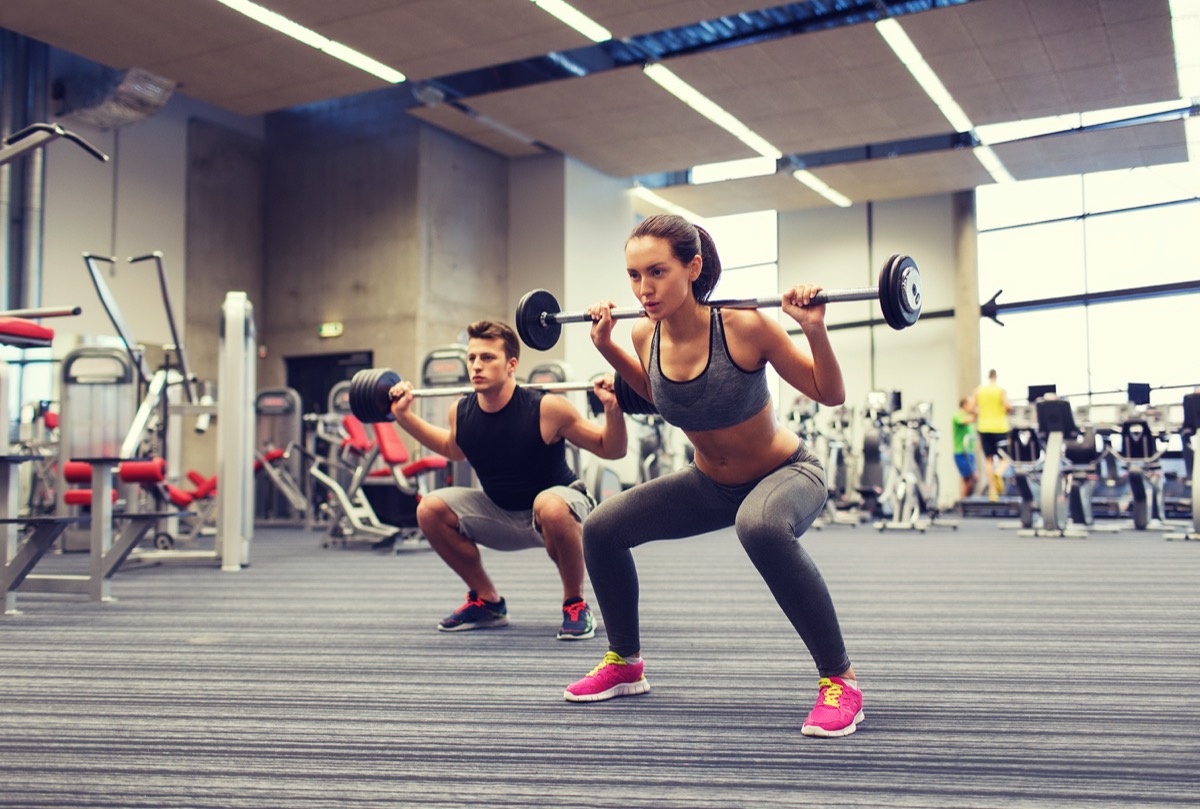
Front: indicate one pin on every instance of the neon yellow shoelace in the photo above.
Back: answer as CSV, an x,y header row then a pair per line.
x,y
832,692
610,659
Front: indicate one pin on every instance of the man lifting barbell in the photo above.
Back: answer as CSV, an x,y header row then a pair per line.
x,y
513,437
705,371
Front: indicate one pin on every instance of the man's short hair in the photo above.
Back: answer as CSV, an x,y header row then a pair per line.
x,y
494,330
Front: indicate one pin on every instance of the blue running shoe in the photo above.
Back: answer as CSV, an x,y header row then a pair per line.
x,y
475,614
578,623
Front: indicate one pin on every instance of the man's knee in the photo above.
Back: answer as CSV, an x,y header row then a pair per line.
x,y
555,516
432,511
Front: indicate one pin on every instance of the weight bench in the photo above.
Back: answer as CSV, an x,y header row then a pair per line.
x,y
351,515
269,464
406,474
395,455
21,552
150,474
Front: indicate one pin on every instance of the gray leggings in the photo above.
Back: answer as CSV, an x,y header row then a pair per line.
x,y
768,515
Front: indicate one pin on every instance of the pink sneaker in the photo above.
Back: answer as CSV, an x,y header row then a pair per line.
x,y
838,710
612,678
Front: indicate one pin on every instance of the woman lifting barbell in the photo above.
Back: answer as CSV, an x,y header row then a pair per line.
x,y
704,369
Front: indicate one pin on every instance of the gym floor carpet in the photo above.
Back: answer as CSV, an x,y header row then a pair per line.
x,y
999,671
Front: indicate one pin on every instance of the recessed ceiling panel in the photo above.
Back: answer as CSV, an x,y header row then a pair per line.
x,y
453,120
1019,59
819,91
427,38
776,191
618,122
909,176
1098,150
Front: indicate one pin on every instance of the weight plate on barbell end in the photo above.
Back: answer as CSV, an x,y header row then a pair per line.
x,y
354,394
886,291
909,299
369,399
359,404
630,401
535,332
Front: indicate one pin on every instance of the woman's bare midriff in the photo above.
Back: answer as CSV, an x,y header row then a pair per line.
x,y
743,452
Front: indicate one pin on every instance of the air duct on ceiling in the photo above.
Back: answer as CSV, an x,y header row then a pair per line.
x,y
110,99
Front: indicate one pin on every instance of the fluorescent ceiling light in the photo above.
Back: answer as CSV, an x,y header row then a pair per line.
x,y
991,134
912,59
991,162
689,95
311,38
732,170
646,195
818,185
994,134
569,15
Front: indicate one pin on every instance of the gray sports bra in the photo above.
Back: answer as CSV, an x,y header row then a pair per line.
x,y
722,395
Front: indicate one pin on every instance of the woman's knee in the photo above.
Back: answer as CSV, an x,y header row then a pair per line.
x,y
603,526
761,537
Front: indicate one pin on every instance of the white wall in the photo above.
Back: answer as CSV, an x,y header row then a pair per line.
x,y
599,217
130,206
841,248
568,225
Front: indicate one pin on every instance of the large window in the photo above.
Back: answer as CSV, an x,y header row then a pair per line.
x,y
1128,230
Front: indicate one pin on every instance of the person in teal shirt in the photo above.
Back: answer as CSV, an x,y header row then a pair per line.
x,y
964,447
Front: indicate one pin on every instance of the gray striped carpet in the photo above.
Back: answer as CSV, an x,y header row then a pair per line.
x,y
999,671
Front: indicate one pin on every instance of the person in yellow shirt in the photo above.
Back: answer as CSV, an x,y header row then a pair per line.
x,y
991,407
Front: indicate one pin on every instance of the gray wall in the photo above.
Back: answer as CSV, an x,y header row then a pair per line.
x,y
224,217
394,229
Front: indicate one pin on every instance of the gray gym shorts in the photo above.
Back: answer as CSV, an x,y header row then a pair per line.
x,y
485,523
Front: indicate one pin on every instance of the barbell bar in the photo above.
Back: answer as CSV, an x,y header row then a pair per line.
x,y
539,319
371,400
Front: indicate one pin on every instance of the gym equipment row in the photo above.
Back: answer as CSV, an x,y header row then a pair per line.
x,y
880,462
122,454
1061,455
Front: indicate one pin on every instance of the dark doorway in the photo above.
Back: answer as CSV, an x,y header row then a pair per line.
x,y
314,376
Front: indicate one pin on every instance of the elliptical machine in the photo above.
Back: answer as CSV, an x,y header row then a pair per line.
x,y
1189,431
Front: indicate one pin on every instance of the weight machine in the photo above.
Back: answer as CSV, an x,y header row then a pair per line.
x,y
914,478
1189,431
1026,456
1070,469
149,433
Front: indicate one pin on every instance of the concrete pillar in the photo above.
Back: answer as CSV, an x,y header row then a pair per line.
x,y
966,292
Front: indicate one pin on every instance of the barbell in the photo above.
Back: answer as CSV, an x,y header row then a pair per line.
x,y
370,395
539,319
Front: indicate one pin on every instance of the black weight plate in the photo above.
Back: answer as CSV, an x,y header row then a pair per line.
x,y
910,295
631,401
533,331
887,292
354,396
368,395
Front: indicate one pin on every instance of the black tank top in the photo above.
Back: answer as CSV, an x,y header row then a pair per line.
x,y
507,452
